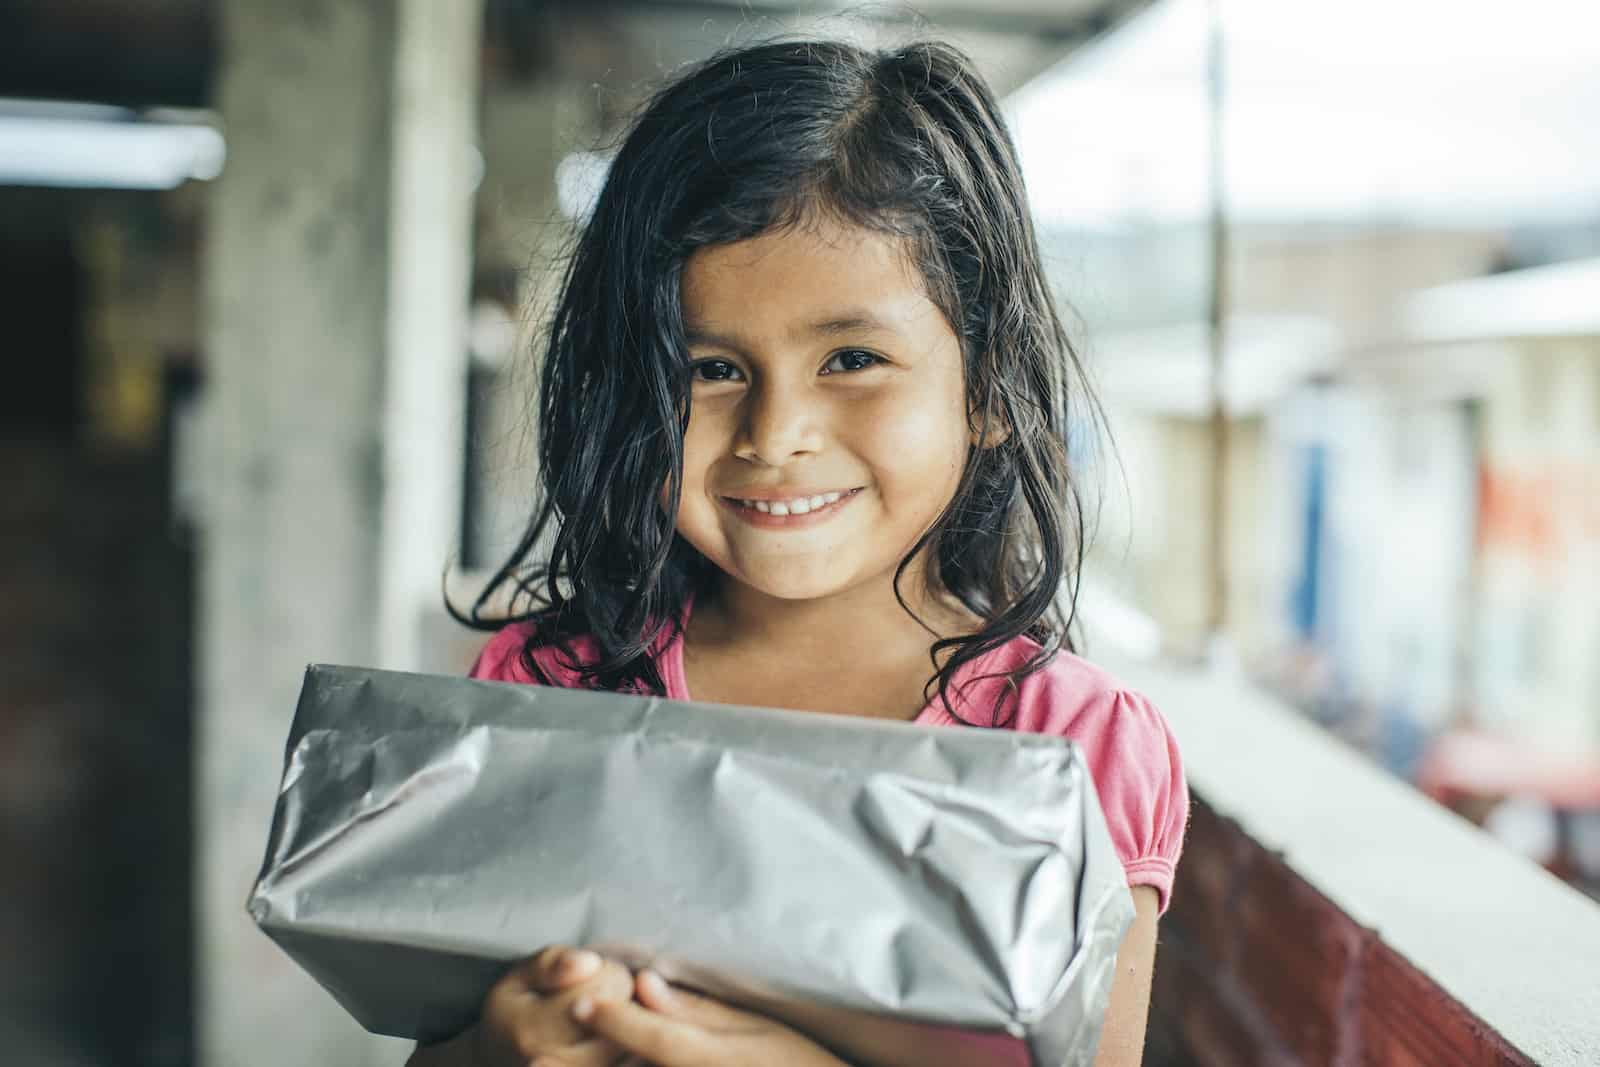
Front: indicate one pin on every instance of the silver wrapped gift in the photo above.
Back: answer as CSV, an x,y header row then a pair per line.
x,y
875,884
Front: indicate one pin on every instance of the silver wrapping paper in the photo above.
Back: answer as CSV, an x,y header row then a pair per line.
x,y
876,884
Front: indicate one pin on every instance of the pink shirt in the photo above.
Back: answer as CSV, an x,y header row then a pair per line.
x,y
1129,748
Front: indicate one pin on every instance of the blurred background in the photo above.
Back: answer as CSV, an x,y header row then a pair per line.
x,y
271,273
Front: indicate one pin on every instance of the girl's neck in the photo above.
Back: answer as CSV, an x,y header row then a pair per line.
x,y
732,613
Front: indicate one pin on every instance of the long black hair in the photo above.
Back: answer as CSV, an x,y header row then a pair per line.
x,y
908,141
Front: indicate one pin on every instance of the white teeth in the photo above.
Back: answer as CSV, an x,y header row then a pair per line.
x,y
798,506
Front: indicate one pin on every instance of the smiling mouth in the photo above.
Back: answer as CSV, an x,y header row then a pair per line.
x,y
799,505
792,506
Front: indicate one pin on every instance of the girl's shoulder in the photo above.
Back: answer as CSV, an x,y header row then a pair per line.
x,y
1074,698
503,658
1130,752
1068,697
509,653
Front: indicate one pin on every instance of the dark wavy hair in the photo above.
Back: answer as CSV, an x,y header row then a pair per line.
x,y
909,142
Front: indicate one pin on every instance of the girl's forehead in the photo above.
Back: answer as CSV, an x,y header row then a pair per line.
x,y
800,272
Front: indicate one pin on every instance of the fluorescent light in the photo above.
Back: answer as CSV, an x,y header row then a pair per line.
x,y
98,147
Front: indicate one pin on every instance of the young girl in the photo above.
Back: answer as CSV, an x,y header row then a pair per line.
x,y
803,443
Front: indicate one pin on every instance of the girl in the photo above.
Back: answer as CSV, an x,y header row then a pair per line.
x,y
803,440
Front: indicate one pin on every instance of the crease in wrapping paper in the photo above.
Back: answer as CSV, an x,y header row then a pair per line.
x,y
908,894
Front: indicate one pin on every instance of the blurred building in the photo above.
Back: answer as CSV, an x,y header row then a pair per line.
x,y
1399,228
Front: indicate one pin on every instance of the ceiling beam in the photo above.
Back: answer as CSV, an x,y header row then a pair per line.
x,y
976,17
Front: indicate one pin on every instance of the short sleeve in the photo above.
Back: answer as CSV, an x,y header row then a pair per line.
x,y
1139,777
502,660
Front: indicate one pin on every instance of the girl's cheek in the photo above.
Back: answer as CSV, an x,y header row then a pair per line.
x,y
918,448
919,429
694,460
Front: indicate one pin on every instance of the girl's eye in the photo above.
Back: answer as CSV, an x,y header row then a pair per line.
x,y
851,359
714,370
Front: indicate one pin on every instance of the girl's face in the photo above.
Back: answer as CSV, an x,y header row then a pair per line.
x,y
828,427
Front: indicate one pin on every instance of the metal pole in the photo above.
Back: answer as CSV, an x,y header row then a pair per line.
x,y
1217,621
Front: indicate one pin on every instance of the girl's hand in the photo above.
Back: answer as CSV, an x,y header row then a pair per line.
x,y
669,1027
528,1013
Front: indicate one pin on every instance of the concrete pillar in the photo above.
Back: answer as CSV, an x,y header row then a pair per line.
x,y
1173,573
336,266
433,171
527,130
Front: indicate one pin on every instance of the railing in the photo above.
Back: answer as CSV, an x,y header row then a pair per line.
x,y
1326,913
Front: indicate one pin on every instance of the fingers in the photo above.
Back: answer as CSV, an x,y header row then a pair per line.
x,y
657,1038
654,993
593,1052
527,1017
559,967
612,982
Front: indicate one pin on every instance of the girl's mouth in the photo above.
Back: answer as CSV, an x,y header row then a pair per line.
x,y
791,513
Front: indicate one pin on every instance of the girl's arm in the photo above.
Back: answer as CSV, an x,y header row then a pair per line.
x,y
1122,1035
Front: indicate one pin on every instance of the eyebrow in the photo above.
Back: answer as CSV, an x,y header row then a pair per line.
x,y
851,321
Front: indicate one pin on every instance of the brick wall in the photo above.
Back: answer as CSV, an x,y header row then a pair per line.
x,y
1256,967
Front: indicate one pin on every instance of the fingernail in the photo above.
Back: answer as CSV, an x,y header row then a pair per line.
x,y
654,986
582,1009
580,963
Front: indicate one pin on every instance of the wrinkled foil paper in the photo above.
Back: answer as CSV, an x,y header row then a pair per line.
x,y
906,894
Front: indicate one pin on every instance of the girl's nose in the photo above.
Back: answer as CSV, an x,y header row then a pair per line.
x,y
778,424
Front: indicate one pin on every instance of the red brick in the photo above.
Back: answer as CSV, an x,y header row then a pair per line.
x,y
1298,960
1210,1020
1406,1020
1217,858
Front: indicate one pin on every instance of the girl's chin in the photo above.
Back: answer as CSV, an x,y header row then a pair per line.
x,y
796,591
828,578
